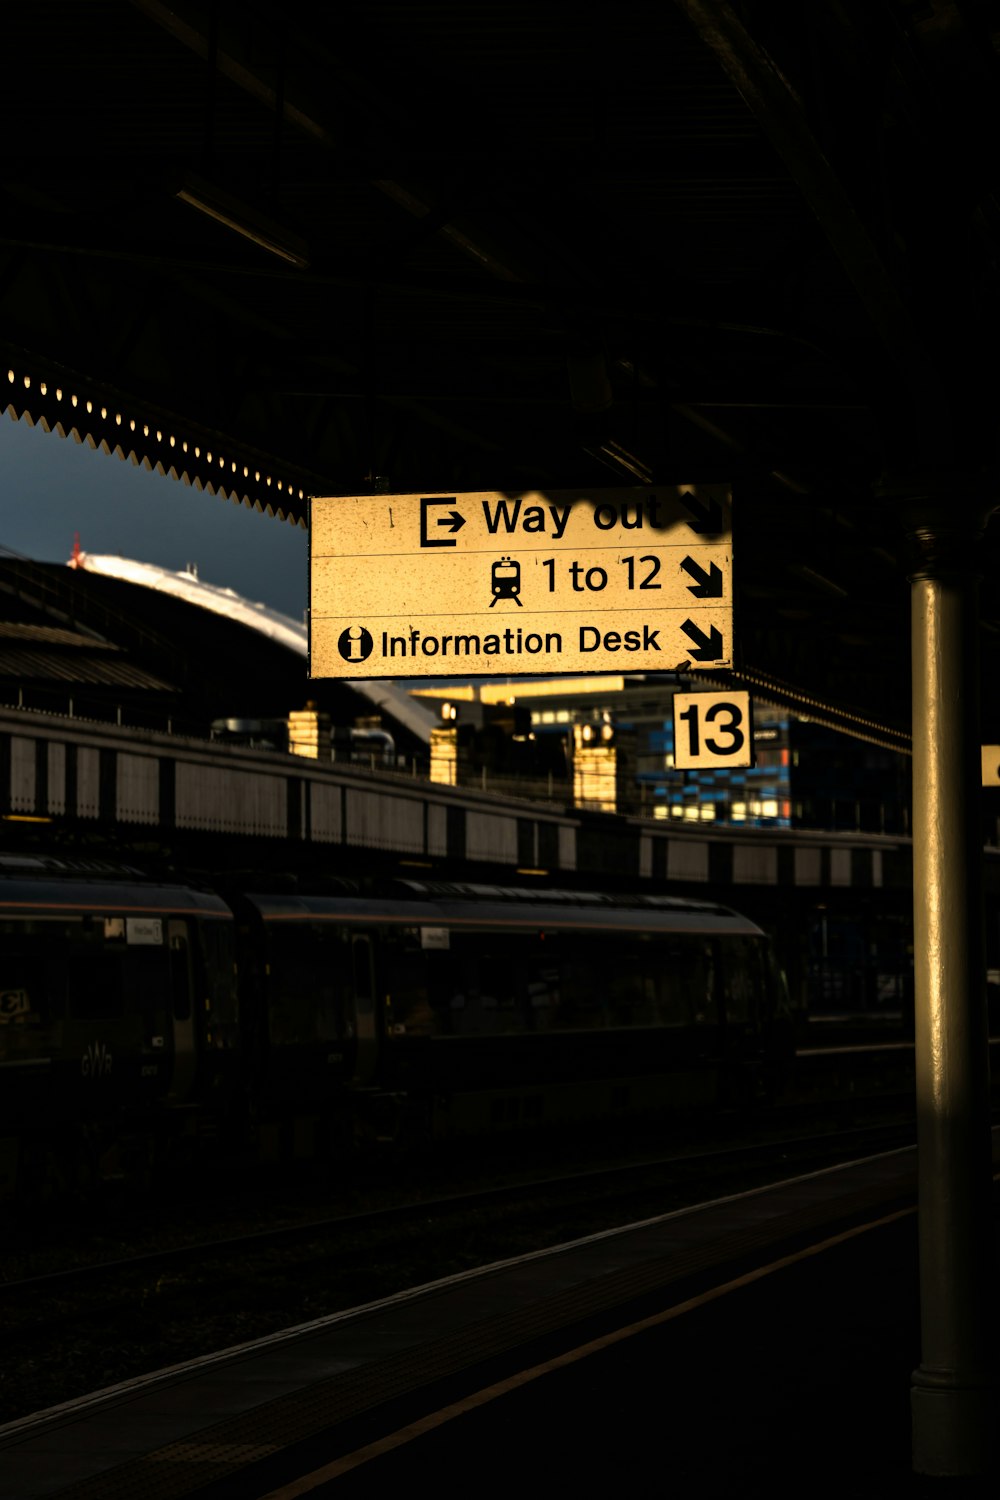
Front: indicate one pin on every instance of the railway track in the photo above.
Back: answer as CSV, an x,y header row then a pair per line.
x,y
601,1186
83,1327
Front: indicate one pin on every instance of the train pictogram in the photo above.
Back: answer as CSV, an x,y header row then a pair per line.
x,y
505,581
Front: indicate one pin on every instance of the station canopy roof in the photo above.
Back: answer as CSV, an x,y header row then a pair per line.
x,y
286,249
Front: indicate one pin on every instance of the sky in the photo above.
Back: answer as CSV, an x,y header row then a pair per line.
x,y
53,487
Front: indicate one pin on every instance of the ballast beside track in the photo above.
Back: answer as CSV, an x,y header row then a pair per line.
x,y
88,1326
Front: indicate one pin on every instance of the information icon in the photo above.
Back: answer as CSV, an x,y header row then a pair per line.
x,y
355,643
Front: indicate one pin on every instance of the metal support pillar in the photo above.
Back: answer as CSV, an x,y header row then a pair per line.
x,y
953,1399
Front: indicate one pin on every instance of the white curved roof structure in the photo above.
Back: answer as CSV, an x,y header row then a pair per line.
x,y
270,622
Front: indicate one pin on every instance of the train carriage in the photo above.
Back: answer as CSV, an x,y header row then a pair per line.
x,y
118,1018
140,1020
472,1007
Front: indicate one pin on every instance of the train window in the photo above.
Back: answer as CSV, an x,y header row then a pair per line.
x,y
496,1002
502,994
628,983
585,971
32,1003
701,977
477,986
676,968
310,984
18,1001
33,978
32,990
603,985
97,992
218,962
664,982
543,986
408,1004
146,980
498,986
453,987
631,990
740,967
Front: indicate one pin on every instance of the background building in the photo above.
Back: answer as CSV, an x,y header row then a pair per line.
x,y
115,640
607,742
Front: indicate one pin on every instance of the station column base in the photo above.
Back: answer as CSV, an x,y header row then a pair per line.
x,y
954,1426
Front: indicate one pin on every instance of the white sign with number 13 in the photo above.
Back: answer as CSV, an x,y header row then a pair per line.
x,y
712,729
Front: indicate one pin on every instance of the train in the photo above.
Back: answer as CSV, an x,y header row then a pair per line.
x,y
153,1021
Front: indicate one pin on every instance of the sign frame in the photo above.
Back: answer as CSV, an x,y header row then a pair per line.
x,y
491,583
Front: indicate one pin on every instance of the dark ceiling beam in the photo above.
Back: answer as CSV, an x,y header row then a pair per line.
x,y
731,165
218,282
233,68
471,395
783,120
471,244
789,372
197,40
644,323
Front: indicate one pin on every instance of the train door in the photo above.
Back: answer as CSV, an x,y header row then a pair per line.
x,y
364,1008
182,1010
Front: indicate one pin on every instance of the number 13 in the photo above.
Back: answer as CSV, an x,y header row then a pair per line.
x,y
732,716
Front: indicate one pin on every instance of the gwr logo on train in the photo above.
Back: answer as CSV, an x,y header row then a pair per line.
x,y
484,583
96,1060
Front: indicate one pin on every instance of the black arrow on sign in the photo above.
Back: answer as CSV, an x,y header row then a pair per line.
x,y
709,647
452,520
707,585
707,517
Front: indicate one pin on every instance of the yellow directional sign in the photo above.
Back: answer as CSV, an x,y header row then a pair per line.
x,y
991,765
495,583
